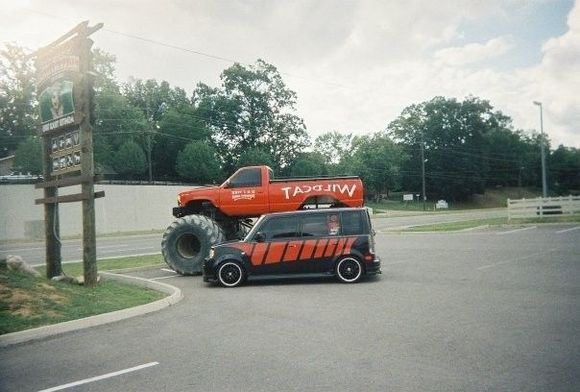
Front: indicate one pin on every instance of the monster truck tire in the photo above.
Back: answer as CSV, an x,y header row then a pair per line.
x,y
187,241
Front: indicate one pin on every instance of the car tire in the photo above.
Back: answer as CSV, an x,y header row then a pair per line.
x,y
231,274
187,241
349,269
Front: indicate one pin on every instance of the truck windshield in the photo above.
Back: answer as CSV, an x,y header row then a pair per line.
x,y
245,178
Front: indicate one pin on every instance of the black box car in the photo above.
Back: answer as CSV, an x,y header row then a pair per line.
x,y
336,241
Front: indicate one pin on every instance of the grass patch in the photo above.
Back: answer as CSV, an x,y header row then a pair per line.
x,y
76,269
28,302
454,226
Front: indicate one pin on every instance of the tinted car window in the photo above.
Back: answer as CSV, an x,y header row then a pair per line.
x,y
281,227
246,178
320,225
352,223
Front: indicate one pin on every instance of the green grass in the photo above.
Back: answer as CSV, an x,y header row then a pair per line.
x,y
454,226
76,269
28,302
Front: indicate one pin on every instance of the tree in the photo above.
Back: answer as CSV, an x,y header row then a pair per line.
x,y
130,160
333,146
252,109
18,117
453,136
564,168
310,164
255,156
177,128
28,156
197,162
378,161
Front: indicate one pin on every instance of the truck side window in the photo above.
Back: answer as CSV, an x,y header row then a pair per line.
x,y
352,223
315,225
280,227
247,178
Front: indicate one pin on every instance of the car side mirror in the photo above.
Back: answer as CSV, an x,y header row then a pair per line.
x,y
260,237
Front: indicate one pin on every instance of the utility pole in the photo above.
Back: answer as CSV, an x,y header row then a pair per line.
x,y
542,151
423,169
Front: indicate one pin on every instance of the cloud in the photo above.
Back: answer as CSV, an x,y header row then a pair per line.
x,y
474,52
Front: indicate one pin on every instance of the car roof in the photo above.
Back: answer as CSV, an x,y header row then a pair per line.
x,y
315,211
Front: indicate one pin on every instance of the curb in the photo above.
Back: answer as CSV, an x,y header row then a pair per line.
x,y
174,297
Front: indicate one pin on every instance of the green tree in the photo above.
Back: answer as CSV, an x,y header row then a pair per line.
x,y
453,135
252,109
177,128
28,156
117,121
333,146
564,168
198,163
378,161
310,164
130,160
18,117
255,156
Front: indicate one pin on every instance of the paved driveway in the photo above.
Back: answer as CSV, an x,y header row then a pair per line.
x,y
489,311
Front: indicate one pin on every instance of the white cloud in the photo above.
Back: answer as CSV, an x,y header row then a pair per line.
x,y
474,52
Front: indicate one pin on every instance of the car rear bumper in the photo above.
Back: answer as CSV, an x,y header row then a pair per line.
x,y
373,268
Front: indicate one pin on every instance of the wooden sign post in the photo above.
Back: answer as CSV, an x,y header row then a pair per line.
x,y
65,94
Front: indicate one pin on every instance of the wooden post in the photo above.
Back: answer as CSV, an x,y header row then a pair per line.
x,y
87,169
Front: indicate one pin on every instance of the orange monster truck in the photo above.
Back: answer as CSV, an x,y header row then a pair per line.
x,y
210,215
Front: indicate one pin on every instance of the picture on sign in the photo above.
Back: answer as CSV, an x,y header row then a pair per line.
x,y
57,101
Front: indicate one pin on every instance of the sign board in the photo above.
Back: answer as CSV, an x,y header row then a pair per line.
x,y
59,85
408,197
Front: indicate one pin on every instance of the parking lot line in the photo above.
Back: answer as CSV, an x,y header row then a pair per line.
x,y
98,378
567,230
516,230
483,267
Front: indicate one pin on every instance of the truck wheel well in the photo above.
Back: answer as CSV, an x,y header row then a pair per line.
x,y
323,201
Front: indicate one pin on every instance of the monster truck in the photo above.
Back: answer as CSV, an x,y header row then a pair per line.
x,y
210,215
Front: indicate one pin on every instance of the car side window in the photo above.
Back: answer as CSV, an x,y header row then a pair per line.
x,y
317,225
247,178
352,223
280,227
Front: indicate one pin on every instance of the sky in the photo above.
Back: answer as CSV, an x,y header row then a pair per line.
x,y
354,64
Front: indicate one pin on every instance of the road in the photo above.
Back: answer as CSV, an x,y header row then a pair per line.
x,y
487,311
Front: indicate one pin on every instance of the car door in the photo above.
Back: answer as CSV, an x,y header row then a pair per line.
x,y
320,233
276,251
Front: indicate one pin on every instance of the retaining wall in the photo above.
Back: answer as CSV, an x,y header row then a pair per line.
x,y
125,208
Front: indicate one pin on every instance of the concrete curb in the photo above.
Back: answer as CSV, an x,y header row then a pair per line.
x,y
174,296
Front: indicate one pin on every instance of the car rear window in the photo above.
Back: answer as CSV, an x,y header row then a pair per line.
x,y
353,223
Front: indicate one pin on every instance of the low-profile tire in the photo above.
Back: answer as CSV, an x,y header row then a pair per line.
x,y
187,241
349,269
231,274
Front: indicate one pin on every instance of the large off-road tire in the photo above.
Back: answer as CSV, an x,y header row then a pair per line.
x,y
187,241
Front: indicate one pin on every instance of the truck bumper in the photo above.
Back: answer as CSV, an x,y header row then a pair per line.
x,y
178,212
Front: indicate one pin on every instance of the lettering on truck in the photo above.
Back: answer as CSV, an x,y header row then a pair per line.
x,y
335,188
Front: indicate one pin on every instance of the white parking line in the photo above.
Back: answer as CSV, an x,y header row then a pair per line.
x,y
167,270
516,230
567,230
98,378
483,267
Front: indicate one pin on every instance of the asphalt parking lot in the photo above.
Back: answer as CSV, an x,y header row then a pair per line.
x,y
486,311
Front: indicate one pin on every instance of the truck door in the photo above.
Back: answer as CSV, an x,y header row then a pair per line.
x,y
244,194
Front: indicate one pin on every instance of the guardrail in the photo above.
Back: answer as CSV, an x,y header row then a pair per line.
x,y
541,207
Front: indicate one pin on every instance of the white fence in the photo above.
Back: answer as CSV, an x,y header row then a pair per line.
x,y
542,207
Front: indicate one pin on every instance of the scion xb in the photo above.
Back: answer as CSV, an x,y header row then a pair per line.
x,y
335,241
